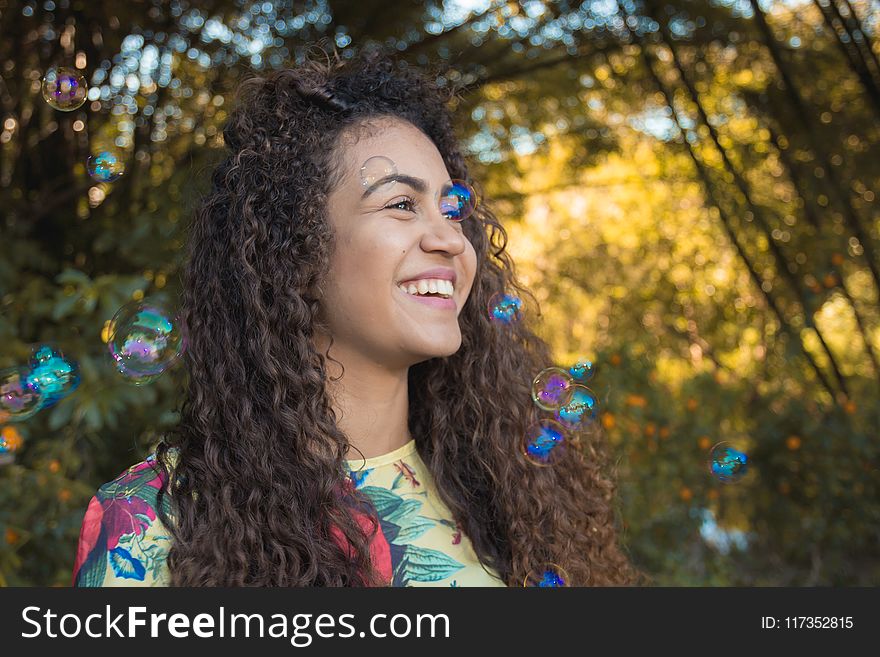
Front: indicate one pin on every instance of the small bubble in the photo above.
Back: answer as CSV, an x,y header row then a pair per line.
x,y
458,200
550,576
146,338
375,169
582,407
54,374
544,442
64,88
19,397
726,463
551,388
105,166
505,308
582,371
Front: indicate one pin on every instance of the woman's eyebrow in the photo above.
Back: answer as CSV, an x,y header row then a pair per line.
x,y
416,183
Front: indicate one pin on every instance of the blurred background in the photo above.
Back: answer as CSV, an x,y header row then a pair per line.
x,y
689,189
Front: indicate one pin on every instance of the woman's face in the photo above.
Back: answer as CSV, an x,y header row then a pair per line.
x,y
390,233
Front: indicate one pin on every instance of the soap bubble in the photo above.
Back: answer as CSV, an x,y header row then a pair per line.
x,y
54,374
375,169
505,308
551,388
458,200
64,88
19,397
105,166
582,371
544,442
582,406
146,338
550,576
726,463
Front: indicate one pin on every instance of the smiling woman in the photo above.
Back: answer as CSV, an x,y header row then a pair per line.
x,y
353,416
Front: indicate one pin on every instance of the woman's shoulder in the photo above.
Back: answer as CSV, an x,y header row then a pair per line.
x,y
123,541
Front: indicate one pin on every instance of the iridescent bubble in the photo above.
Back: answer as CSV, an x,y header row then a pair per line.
x,y
375,169
105,166
581,408
146,338
458,200
582,371
19,397
64,88
54,374
505,308
544,442
550,576
726,463
551,388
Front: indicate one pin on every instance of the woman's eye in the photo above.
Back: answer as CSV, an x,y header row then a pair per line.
x,y
407,203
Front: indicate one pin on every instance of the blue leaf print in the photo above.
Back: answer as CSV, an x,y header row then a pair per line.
x,y
125,565
383,499
412,530
424,565
404,512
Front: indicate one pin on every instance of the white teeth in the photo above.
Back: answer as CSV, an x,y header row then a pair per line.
x,y
428,285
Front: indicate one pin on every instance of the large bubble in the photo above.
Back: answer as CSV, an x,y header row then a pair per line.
x,y
105,166
19,397
146,338
544,442
505,308
375,169
551,388
64,88
458,200
550,576
53,373
727,464
581,408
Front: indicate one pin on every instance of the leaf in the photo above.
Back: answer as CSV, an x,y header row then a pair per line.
x,y
126,566
383,499
412,530
60,415
404,511
424,565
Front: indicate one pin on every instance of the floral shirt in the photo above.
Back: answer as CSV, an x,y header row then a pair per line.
x,y
123,543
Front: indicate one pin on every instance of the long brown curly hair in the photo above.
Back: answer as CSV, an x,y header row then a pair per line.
x,y
257,487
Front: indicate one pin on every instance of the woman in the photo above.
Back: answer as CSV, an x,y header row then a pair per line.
x,y
340,428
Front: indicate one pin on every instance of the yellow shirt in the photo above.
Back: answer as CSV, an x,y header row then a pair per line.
x,y
427,547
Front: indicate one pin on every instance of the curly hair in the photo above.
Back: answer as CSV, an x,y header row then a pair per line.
x,y
258,486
